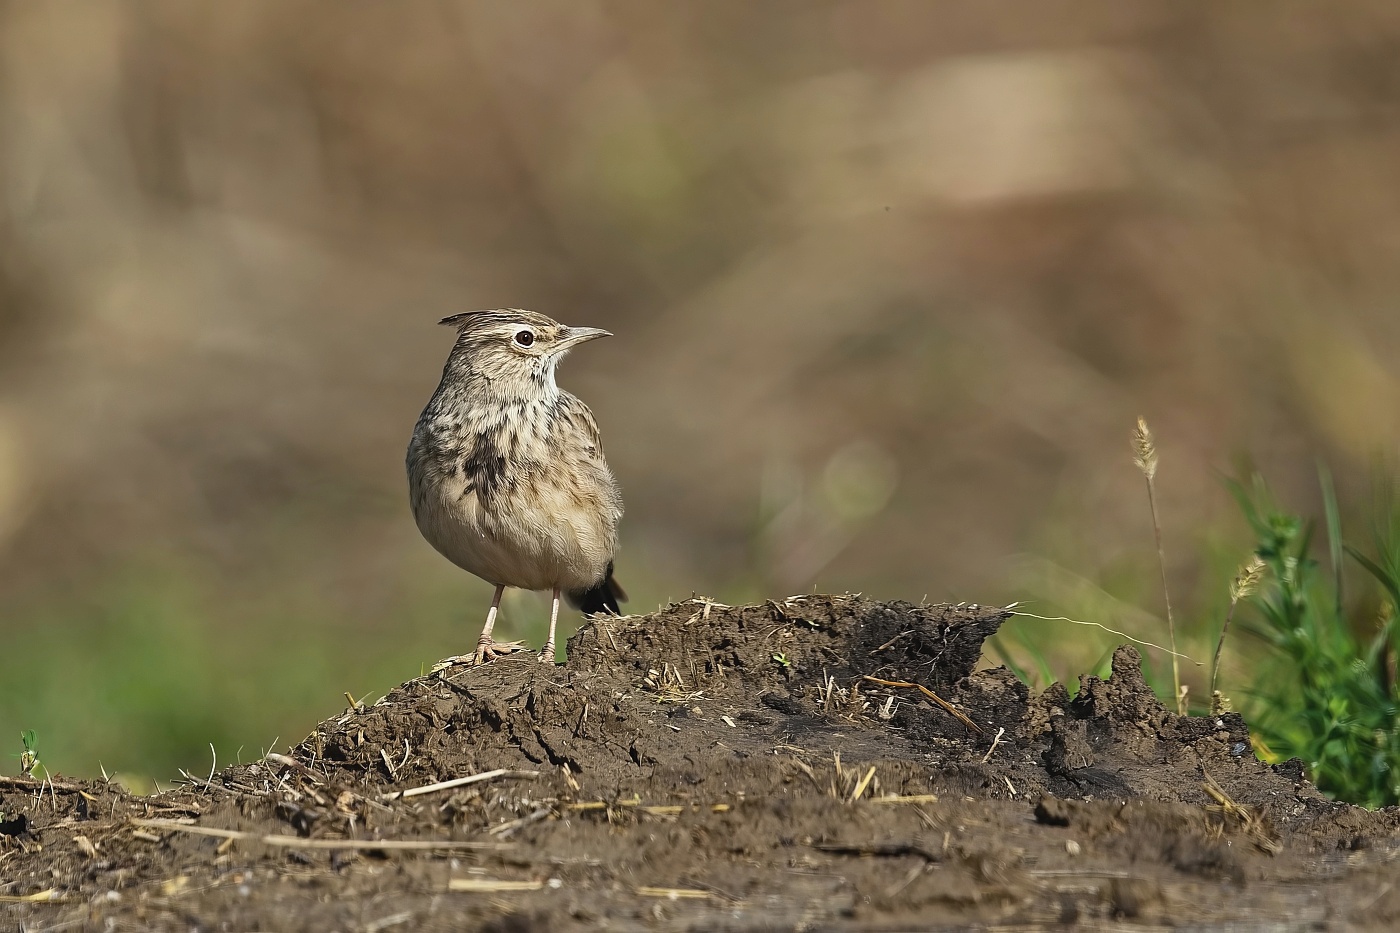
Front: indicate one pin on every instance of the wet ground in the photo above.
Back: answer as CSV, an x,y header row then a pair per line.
x,y
816,763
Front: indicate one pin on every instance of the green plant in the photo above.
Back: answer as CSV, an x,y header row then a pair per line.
x,y
1043,676
29,758
1327,697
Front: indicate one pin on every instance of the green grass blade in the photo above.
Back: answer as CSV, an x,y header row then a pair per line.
x,y
1382,575
1037,654
1334,533
1001,652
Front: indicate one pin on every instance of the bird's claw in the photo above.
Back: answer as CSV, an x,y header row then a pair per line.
x,y
488,651
485,652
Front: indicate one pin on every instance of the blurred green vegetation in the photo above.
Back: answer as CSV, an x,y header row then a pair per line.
x,y
1326,692
138,672
1311,661
1124,594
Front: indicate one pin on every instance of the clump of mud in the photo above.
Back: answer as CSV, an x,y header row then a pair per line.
x,y
819,762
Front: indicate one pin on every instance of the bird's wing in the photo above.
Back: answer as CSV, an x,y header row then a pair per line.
x,y
579,415
590,449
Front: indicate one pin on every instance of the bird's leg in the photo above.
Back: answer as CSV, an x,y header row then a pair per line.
x,y
491,616
487,649
547,652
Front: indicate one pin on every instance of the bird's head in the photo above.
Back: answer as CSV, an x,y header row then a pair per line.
x,y
513,351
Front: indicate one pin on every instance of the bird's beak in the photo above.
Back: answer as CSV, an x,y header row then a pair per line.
x,y
571,337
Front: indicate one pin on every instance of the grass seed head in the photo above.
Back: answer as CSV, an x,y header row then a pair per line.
x,y
1144,450
1246,582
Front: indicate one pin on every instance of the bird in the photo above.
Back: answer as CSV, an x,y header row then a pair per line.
x,y
506,472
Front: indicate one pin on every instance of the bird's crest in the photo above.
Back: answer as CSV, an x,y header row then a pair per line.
x,y
467,319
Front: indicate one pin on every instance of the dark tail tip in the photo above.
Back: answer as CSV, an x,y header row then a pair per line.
x,y
604,597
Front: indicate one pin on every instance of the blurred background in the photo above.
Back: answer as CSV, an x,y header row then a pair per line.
x,y
890,281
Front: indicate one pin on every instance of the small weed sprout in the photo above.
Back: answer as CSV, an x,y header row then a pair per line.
x,y
29,758
782,659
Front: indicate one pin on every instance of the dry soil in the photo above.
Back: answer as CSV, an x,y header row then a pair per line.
x,y
822,762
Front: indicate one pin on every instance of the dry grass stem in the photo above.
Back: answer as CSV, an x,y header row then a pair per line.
x,y
949,708
1145,456
909,798
706,604
491,885
862,784
654,810
996,740
28,783
456,782
1248,819
297,842
47,896
1111,631
673,893
1244,585
503,830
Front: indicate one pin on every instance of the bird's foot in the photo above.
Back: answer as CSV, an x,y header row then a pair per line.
x,y
485,651
546,655
488,650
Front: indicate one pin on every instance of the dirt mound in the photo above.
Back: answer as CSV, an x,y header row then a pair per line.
x,y
820,762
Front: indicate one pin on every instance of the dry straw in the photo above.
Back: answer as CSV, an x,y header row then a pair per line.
x,y
491,885
299,842
1145,456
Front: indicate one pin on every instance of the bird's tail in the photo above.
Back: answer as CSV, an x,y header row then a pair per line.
x,y
602,598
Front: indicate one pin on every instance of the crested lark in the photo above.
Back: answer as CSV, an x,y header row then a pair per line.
x,y
506,473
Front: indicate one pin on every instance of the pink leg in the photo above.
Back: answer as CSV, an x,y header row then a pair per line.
x,y
547,652
487,649
491,616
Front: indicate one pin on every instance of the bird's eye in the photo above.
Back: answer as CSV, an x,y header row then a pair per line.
x,y
524,338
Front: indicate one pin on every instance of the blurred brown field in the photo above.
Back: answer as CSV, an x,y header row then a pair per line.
x,y
891,282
